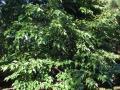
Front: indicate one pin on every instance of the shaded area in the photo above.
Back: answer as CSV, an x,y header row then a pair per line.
x,y
3,83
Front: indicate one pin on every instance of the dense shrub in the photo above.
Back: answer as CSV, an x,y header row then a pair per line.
x,y
45,46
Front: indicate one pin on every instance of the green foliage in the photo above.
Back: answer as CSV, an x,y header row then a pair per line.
x,y
86,9
45,48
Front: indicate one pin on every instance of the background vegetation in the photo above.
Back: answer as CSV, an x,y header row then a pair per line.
x,y
59,44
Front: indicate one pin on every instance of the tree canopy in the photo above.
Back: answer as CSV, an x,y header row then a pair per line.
x,y
59,44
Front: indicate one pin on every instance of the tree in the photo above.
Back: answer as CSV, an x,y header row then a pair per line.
x,y
49,46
